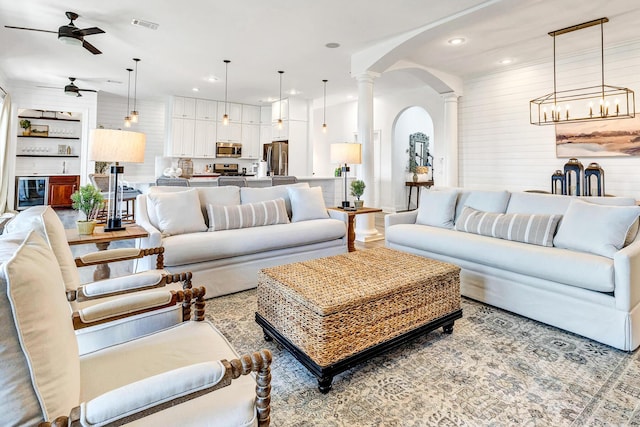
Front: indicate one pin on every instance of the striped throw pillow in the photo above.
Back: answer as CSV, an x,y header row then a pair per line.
x,y
256,214
525,228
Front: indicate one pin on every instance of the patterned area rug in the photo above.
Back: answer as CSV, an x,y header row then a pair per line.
x,y
496,369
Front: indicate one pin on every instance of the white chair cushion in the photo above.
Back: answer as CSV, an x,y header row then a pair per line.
x,y
45,220
256,214
42,318
253,195
437,208
307,203
600,230
179,212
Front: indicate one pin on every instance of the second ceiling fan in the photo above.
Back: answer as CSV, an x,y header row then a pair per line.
x,y
72,90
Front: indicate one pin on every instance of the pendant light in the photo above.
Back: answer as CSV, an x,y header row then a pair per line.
x,y
127,118
225,118
324,108
134,112
280,103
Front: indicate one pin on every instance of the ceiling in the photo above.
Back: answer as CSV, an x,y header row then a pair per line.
x,y
260,38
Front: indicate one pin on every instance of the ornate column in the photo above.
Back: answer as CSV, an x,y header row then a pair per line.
x,y
365,224
450,173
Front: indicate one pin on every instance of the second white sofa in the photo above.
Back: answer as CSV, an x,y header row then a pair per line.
x,y
225,254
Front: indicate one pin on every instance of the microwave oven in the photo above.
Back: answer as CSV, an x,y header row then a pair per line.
x,y
228,149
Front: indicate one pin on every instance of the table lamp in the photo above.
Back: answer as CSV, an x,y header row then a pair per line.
x,y
346,153
109,145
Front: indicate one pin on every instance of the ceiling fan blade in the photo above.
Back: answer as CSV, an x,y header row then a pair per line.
x,y
87,90
30,29
91,48
89,31
49,87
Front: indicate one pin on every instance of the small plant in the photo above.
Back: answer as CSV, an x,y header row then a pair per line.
x,y
357,188
101,167
25,124
88,200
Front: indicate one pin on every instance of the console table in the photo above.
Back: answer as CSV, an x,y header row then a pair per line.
x,y
418,185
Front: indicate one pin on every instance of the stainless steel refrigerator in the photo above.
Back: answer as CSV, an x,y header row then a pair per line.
x,y
276,154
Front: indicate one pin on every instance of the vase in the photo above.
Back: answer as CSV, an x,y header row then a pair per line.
x,y
358,203
187,167
86,227
26,132
415,177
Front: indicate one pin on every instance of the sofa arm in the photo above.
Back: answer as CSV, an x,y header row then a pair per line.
x,y
626,264
339,215
153,240
400,218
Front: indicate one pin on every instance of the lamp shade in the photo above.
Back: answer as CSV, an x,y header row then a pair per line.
x,y
346,152
110,145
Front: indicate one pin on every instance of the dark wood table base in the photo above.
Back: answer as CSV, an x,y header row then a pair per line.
x,y
325,374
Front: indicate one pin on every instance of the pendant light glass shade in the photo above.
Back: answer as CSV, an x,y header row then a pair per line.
x,y
324,107
127,118
134,113
280,103
225,118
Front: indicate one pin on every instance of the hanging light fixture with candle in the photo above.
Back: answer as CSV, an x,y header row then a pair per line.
x,y
280,102
324,107
134,112
613,102
225,118
127,118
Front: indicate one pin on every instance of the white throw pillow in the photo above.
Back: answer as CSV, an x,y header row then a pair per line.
x,y
601,230
307,203
178,213
257,214
253,195
487,201
42,320
437,208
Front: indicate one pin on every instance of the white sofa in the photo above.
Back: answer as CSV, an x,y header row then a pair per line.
x,y
586,280
228,260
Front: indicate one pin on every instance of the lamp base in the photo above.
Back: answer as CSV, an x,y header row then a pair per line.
x,y
114,224
345,204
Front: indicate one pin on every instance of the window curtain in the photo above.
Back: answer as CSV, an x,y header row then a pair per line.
x,y
5,139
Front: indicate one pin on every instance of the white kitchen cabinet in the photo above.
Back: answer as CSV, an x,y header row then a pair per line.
x,y
205,139
265,134
184,107
250,141
229,133
250,114
182,137
206,110
265,115
280,110
278,134
233,110
298,109
298,149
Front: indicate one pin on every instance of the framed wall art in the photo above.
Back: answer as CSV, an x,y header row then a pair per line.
x,y
607,138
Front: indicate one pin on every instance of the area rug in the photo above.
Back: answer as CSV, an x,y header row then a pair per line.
x,y
496,369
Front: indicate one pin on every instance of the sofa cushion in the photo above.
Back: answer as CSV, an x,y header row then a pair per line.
x,y
201,247
252,195
257,214
583,270
601,230
535,203
42,320
178,212
307,203
488,201
525,228
437,208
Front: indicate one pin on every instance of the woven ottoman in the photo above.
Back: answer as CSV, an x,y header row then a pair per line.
x,y
333,313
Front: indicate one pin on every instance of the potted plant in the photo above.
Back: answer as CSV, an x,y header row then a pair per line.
x,y
357,189
89,200
26,126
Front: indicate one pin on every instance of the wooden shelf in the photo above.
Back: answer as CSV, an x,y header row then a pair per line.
x,y
50,155
48,118
49,137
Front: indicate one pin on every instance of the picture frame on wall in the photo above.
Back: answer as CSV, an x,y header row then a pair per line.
x,y
40,130
606,138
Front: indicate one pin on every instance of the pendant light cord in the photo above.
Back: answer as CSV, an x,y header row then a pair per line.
x,y
135,87
226,83
128,89
280,104
324,106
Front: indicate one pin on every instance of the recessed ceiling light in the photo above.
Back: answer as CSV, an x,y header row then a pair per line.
x,y
456,41
332,45
294,92
506,61
195,89
350,97
212,79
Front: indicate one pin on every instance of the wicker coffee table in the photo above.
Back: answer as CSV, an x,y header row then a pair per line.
x,y
333,313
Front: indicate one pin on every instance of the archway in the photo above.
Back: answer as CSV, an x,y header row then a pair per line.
x,y
408,121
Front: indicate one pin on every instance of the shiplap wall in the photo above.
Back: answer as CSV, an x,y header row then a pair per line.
x,y
111,113
500,149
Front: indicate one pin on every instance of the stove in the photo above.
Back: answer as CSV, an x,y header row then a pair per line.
x,y
226,169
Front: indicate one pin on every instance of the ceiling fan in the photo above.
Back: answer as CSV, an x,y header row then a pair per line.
x,y
72,90
70,34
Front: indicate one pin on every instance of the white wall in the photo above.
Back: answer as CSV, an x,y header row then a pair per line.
x,y
111,112
499,149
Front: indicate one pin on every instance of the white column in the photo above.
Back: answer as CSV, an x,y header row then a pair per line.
x,y
365,224
450,173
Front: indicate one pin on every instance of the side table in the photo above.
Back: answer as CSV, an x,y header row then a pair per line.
x,y
418,185
102,239
351,228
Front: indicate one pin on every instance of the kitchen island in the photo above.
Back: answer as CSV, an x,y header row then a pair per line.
x,y
332,187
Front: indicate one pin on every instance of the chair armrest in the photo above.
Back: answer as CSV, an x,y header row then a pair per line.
x,y
341,215
401,218
626,265
168,389
132,305
121,254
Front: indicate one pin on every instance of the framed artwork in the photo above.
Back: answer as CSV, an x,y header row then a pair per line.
x,y
606,138
39,130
